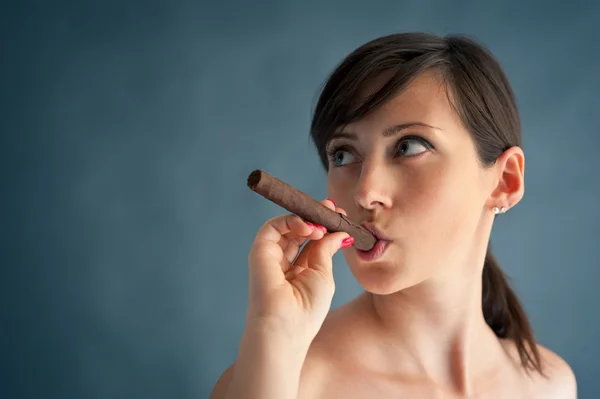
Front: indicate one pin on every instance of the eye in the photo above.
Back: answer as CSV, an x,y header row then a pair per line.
x,y
412,146
340,156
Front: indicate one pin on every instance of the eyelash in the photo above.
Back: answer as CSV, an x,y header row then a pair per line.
x,y
332,152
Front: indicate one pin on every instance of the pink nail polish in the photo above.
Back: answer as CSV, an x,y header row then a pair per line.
x,y
347,242
310,224
322,228
331,199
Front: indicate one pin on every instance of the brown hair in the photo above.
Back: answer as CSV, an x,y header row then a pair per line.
x,y
481,95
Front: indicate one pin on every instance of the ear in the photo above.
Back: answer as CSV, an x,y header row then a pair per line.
x,y
508,178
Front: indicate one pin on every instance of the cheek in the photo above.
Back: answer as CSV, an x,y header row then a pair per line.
x,y
341,190
437,202
427,192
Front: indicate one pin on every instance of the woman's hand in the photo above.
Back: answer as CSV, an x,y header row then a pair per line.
x,y
291,292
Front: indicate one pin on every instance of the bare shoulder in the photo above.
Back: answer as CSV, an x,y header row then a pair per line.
x,y
340,331
560,382
331,343
220,389
332,347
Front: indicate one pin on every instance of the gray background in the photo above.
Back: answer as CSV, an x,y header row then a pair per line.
x,y
128,131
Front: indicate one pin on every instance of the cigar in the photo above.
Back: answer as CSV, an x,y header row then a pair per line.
x,y
308,208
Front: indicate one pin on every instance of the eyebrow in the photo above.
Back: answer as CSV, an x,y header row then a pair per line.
x,y
387,132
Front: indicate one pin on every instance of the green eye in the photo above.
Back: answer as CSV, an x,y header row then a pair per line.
x,y
340,156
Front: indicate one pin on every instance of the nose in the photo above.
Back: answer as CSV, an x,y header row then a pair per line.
x,y
374,187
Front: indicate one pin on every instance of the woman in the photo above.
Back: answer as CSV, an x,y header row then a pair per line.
x,y
420,137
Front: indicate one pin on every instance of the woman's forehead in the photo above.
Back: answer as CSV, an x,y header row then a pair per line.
x,y
423,101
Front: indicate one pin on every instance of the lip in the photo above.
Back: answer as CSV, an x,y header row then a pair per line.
x,y
375,230
379,247
374,253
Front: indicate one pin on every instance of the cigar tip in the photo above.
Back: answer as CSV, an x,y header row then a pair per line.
x,y
254,178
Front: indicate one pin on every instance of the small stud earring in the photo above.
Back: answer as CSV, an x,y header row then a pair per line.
x,y
495,210
503,210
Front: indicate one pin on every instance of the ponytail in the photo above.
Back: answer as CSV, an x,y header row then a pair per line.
x,y
505,315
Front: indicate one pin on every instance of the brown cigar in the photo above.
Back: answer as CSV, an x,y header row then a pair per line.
x,y
308,208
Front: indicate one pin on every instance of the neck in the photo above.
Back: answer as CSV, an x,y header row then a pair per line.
x,y
438,328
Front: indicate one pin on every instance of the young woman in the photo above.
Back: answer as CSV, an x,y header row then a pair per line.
x,y
420,137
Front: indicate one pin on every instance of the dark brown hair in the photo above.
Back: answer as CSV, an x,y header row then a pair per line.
x,y
481,95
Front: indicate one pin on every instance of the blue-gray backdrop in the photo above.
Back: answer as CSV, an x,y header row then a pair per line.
x,y
128,129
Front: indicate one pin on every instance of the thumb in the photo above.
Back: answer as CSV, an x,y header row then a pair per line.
x,y
320,256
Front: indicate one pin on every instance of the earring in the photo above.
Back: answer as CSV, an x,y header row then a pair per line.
x,y
497,210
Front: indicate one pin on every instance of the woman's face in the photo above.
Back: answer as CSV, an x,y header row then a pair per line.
x,y
411,170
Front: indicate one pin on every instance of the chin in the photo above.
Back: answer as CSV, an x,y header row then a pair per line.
x,y
380,278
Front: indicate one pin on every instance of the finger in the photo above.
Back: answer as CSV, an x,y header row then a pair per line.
x,y
291,243
303,258
330,203
267,248
291,246
318,254
294,244
274,229
294,272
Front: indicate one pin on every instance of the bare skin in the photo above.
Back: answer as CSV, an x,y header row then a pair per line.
x,y
418,330
352,358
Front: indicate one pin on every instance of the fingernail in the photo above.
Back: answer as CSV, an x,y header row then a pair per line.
x,y
321,227
347,242
331,199
310,224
